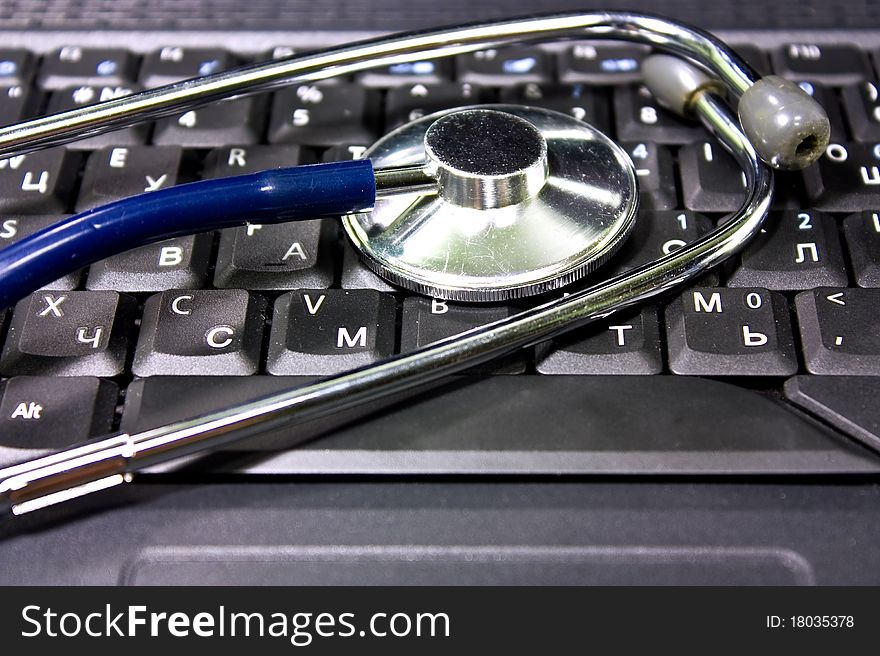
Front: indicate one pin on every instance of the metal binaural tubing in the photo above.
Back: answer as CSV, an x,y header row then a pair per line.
x,y
697,45
101,464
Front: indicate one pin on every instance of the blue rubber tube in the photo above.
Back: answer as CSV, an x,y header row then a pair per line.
x,y
273,196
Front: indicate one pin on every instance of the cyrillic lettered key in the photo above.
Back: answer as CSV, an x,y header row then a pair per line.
x,y
179,263
628,343
504,66
200,332
69,333
845,179
862,232
427,320
117,172
730,332
74,65
50,413
657,234
324,115
37,183
237,121
13,228
174,63
840,331
657,188
795,250
586,104
325,332
295,255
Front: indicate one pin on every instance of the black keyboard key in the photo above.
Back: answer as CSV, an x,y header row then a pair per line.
x,y
37,183
51,413
849,403
408,103
324,115
174,63
179,263
74,97
324,332
356,274
200,332
640,118
586,104
295,255
845,179
862,233
659,233
628,343
827,63
13,228
730,332
118,172
861,102
73,65
238,121
601,63
406,73
69,333
656,174
840,331
426,320
711,181
16,67
16,104
239,160
795,250
504,66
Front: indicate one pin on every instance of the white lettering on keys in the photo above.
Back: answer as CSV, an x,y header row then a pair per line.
x,y
118,157
295,249
620,330
53,306
713,305
344,339
212,337
155,183
175,305
753,338
40,186
439,306
94,339
311,305
9,229
12,162
27,410
170,256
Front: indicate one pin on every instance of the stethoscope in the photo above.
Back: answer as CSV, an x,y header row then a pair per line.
x,y
476,204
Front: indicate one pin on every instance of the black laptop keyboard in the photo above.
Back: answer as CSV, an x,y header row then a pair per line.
x,y
770,364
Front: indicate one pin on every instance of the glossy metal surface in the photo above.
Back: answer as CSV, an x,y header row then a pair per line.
x,y
102,464
697,45
521,231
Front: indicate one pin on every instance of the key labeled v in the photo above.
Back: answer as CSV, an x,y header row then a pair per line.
x,y
313,306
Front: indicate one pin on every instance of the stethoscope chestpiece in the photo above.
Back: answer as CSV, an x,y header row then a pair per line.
x,y
529,200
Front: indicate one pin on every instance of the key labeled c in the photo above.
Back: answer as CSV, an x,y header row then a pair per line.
x,y
215,337
175,304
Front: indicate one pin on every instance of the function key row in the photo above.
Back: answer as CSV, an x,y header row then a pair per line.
x,y
595,63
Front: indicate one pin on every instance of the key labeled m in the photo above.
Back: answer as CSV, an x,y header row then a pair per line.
x,y
712,305
345,339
